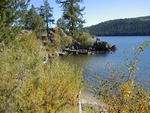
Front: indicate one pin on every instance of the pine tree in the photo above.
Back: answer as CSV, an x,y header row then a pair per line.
x,y
72,14
61,24
33,21
11,17
46,14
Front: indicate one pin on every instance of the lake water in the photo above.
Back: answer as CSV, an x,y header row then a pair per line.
x,y
103,64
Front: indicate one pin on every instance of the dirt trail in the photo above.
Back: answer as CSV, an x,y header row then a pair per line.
x,y
87,98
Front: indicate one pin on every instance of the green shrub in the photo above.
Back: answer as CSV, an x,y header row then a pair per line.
x,y
61,40
85,40
29,42
125,97
29,86
52,90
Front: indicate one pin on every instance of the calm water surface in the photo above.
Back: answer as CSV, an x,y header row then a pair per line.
x,y
102,64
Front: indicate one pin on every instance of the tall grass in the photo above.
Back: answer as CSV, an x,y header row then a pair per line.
x,y
29,86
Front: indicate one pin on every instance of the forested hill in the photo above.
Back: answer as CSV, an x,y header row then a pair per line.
x,y
122,27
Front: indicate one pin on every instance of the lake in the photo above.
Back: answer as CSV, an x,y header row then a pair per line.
x,y
103,64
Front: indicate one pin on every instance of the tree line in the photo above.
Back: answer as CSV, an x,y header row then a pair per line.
x,y
15,14
125,27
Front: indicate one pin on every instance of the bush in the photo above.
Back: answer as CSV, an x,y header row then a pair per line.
x,y
51,92
61,40
122,93
85,40
29,42
29,86
126,97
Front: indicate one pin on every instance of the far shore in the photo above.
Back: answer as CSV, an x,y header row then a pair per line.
x,y
120,35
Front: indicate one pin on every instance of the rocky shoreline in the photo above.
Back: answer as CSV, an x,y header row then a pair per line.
x,y
98,47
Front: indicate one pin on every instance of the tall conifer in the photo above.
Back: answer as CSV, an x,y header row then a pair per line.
x,y
72,14
46,13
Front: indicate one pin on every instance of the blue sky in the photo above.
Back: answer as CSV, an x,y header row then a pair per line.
x,y
102,10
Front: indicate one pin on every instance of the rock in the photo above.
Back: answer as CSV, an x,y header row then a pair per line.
x,y
101,46
60,53
83,51
75,45
114,48
98,47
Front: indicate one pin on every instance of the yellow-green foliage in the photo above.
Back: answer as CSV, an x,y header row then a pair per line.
x,y
29,86
85,40
128,97
61,40
56,86
29,42
122,93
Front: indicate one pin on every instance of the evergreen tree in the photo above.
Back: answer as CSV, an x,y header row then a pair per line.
x,y
46,14
61,24
33,20
12,10
122,27
73,16
11,14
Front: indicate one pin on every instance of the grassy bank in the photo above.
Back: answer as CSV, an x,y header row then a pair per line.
x,y
29,86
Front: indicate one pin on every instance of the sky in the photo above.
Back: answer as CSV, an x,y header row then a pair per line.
x,y
97,11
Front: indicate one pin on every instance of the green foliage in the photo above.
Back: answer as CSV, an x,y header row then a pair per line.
x,y
133,26
11,18
85,40
16,63
29,42
46,14
62,24
33,20
124,97
30,86
52,90
12,10
61,40
72,15
90,109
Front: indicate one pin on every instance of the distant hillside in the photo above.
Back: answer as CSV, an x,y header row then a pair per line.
x,y
122,27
